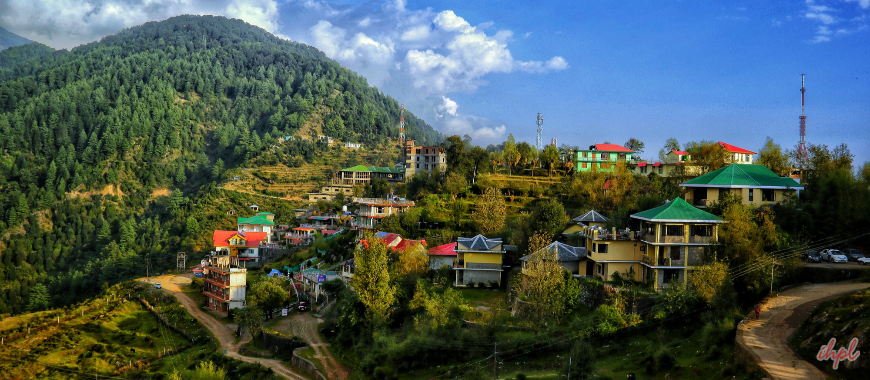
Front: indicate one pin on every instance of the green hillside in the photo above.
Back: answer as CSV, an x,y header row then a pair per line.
x,y
114,151
9,39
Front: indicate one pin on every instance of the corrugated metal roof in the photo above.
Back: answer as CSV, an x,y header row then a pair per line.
x,y
564,252
677,211
257,219
591,216
479,243
743,175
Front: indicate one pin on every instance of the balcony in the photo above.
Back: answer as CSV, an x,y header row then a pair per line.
x,y
218,296
700,239
672,239
373,214
664,262
648,260
217,282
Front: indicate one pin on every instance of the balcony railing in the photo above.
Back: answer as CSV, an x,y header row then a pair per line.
x,y
217,282
700,239
369,213
665,262
648,260
220,296
673,239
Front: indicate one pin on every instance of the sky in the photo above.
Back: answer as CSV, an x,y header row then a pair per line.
x,y
599,71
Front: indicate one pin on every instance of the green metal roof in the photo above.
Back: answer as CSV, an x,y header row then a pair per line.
x,y
265,213
742,175
377,169
677,210
256,219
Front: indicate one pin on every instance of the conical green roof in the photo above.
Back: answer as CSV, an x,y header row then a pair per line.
x,y
677,210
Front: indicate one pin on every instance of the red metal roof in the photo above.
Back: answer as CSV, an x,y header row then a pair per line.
x,y
252,239
405,243
657,164
680,152
448,249
612,148
734,149
641,164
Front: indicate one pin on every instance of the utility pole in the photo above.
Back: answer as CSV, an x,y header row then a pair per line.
x,y
147,274
569,368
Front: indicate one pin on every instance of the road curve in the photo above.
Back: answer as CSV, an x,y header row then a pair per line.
x,y
768,336
224,335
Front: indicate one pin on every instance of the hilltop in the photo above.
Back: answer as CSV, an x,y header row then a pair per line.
x,y
9,39
118,150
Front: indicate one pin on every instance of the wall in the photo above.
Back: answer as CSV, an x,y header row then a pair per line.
x,y
436,262
489,258
306,366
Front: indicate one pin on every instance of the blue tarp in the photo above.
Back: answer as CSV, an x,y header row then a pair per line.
x,y
275,272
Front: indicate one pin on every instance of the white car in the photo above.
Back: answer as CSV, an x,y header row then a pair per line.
x,y
157,286
864,261
834,256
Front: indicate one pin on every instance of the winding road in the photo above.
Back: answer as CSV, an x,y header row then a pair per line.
x,y
768,336
225,336
304,326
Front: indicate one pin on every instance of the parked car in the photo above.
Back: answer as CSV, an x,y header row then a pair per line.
x,y
303,306
853,254
808,253
864,260
157,286
813,257
834,256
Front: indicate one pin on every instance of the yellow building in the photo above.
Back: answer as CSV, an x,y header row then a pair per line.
x,y
756,185
672,238
478,260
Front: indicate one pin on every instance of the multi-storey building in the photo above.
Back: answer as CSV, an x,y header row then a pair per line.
x,y
677,158
224,282
478,260
755,185
244,246
610,251
420,159
360,175
601,157
372,210
672,239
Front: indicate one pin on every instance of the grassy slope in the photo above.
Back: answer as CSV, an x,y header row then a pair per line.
x,y
842,318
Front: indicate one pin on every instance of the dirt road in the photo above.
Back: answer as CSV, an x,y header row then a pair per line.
x,y
780,317
304,326
172,284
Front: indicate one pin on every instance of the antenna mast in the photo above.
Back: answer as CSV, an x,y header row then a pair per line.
x,y
540,123
402,124
802,155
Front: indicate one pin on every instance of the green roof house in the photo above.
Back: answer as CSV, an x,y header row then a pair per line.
x,y
755,185
262,222
672,239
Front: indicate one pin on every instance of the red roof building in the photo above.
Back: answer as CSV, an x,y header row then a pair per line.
x,y
738,155
612,148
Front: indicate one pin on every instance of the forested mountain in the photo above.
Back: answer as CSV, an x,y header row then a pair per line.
x,y
93,139
9,39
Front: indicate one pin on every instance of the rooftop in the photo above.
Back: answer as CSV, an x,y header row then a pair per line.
x,y
742,175
612,148
257,219
479,243
448,249
564,252
376,169
677,210
734,149
252,239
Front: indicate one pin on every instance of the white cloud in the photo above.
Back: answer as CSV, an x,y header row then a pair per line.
x,y
557,63
69,23
822,17
861,3
416,33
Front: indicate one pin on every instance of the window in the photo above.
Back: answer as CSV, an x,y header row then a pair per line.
x,y
602,248
622,156
643,170
751,194
722,193
674,230
660,169
746,157
767,195
605,156
676,253
418,166
600,269
585,154
703,230
585,165
418,158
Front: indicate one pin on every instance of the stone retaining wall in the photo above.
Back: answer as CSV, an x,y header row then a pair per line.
x,y
305,365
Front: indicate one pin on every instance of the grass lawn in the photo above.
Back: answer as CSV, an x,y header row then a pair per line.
x,y
482,297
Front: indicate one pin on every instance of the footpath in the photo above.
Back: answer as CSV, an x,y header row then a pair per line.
x,y
224,335
766,339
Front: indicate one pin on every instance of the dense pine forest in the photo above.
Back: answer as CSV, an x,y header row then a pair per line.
x,y
111,152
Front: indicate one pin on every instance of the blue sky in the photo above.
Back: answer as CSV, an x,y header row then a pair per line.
x,y
599,71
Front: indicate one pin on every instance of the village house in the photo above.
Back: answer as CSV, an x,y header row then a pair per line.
x,y
424,159
590,218
570,258
347,179
478,261
261,222
224,282
601,157
442,255
242,245
755,185
300,236
678,158
372,210
672,238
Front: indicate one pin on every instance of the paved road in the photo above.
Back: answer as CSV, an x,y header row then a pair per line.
x,y
171,284
780,317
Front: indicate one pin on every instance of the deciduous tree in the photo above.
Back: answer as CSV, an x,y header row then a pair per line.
x,y
489,214
269,293
372,280
772,156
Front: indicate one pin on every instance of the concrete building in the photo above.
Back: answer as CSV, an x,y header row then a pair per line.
x,y
348,178
478,260
672,238
224,282
442,255
372,210
571,258
601,157
424,159
756,185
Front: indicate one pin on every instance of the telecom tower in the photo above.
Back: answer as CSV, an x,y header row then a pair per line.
x,y
802,155
540,123
402,125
